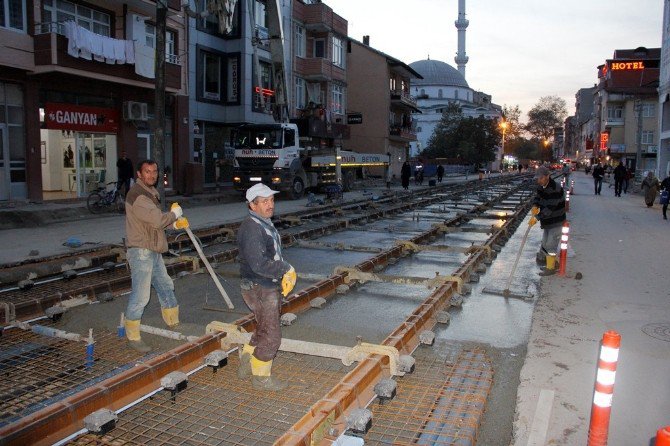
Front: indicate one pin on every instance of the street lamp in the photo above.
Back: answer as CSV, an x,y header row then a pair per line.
x,y
503,126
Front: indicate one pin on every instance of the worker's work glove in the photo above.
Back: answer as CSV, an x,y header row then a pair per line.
x,y
532,221
288,281
181,223
176,210
535,210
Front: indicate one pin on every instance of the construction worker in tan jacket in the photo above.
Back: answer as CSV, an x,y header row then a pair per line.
x,y
146,241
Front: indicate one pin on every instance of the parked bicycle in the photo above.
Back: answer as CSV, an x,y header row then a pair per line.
x,y
105,199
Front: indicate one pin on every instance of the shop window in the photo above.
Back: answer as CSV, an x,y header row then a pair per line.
x,y
170,45
62,10
265,88
13,14
217,76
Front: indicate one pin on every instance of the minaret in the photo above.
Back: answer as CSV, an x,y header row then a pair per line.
x,y
461,24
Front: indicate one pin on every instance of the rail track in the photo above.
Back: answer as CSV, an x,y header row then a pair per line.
x,y
360,251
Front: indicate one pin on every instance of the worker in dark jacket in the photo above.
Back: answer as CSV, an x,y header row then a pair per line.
x,y
598,175
549,208
619,177
264,274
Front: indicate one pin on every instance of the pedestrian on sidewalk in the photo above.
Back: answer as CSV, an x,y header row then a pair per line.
x,y
665,195
650,183
565,170
405,173
549,207
264,274
125,173
146,242
626,180
440,173
598,175
619,177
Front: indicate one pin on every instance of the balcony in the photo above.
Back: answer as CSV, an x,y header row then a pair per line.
x,y
320,18
402,98
51,55
402,134
614,122
317,127
318,69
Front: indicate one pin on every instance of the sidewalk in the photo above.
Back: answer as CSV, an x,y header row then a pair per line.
x,y
621,247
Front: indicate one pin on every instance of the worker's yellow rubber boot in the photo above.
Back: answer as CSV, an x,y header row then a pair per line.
x,y
171,316
133,334
262,378
244,370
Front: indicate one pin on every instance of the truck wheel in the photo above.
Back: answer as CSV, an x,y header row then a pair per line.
x,y
297,190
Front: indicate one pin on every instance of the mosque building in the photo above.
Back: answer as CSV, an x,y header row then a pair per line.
x,y
443,84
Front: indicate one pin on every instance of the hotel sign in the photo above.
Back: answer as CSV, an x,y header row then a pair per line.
x,y
628,65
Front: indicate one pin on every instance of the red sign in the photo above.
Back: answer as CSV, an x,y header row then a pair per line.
x,y
80,118
604,137
636,65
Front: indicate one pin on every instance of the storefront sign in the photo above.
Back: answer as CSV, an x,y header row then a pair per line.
x,y
604,137
636,65
62,116
354,118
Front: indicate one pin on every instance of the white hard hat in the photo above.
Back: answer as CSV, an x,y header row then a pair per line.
x,y
259,190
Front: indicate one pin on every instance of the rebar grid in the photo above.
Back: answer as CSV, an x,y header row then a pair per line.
x,y
217,408
441,403
38,370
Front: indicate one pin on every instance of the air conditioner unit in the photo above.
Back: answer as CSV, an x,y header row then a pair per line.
x,y
135,111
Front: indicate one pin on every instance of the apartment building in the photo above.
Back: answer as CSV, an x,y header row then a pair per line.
x,y
626,108
664,96
77,88
318,71
379,90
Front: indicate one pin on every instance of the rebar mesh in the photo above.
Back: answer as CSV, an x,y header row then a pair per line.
x,y
39,370
220,409
441,403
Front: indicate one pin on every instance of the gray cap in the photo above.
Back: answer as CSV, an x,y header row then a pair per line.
x,y
541,172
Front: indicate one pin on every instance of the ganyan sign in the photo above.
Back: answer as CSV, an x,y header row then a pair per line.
x,y
59,116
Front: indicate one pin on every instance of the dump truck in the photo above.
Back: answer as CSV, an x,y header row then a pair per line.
x,y
271,154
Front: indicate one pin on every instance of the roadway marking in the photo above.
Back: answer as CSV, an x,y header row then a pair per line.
x,y
540,425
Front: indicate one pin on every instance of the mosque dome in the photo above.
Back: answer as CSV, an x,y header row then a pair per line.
x,y
435,72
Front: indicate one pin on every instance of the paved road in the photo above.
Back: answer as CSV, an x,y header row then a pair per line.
x,y
621,247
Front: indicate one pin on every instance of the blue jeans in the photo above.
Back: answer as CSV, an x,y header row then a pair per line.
x,y
147,269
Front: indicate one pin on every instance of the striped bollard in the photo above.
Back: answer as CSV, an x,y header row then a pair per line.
x,y
567,200
602,396
563,255
572,186
663,436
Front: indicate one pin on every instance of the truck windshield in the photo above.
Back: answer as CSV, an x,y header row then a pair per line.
x,y
260,138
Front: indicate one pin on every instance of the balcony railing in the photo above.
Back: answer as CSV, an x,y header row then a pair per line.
x,y
406,133
59,28
400,96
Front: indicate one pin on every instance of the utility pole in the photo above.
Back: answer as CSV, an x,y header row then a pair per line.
x,y
159,97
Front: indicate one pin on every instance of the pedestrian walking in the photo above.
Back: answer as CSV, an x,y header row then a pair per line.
x,y
124,169
619,177
405,173
264,274
440,173
598,175
566,170
626,180
146,242
665,195
650,183
549,208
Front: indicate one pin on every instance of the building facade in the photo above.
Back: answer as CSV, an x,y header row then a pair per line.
x,y
379,91
585,133
77,83
440,85
664,97
626,109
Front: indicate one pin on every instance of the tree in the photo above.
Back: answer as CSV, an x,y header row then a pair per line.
x,y
547,114
456,136
514,128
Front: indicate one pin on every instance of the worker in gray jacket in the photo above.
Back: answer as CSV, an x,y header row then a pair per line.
x,y
264,274
146,242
